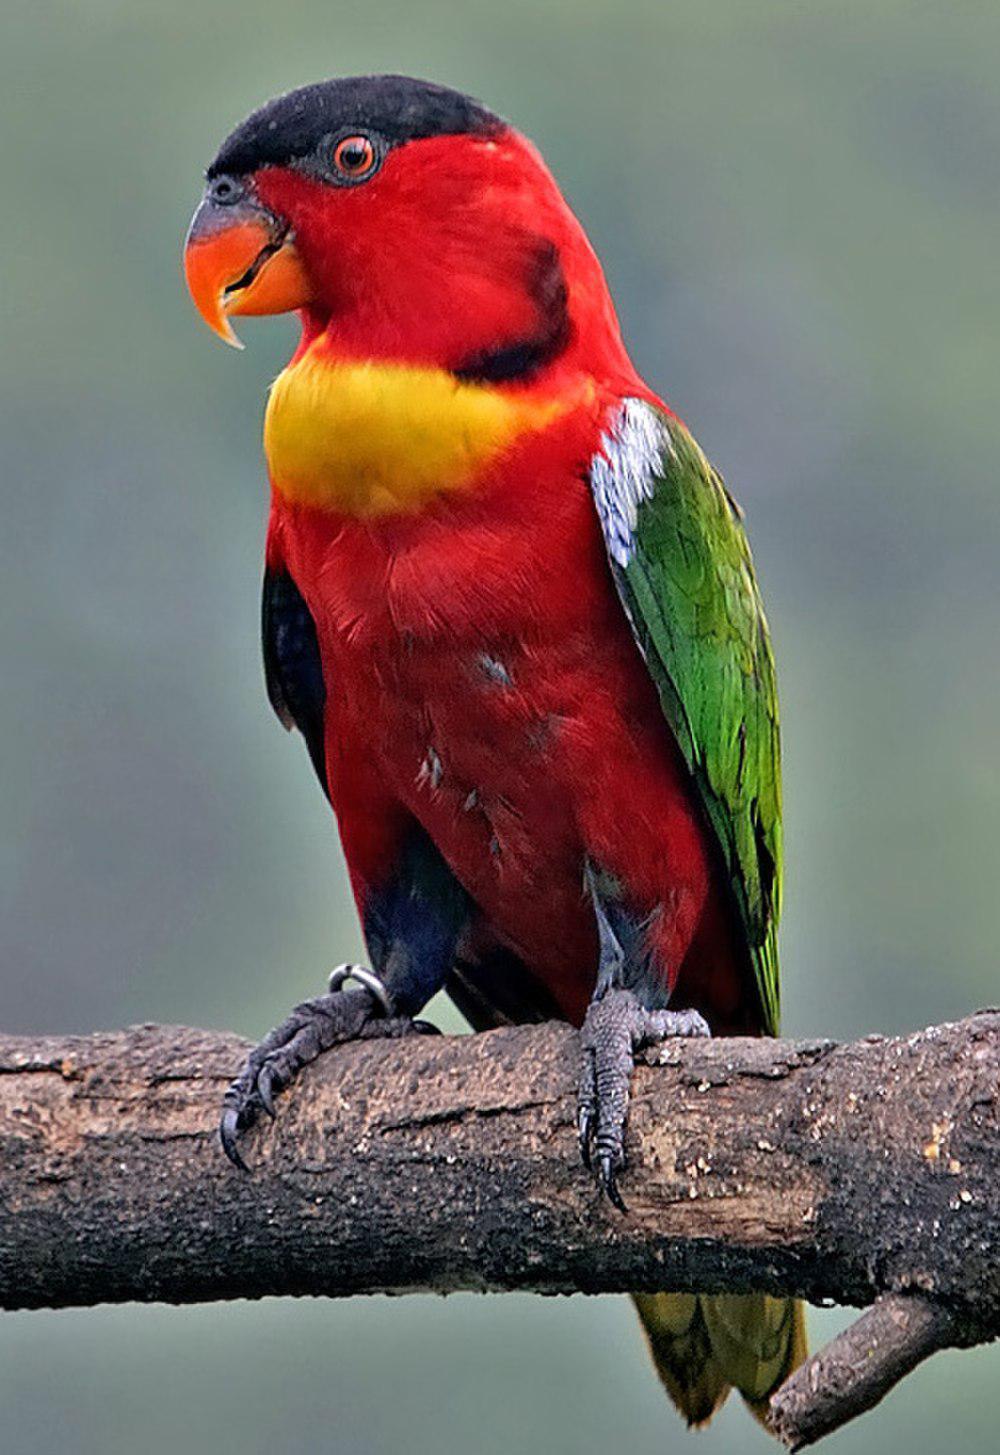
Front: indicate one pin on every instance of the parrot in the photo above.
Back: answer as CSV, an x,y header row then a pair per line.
x,y
512,611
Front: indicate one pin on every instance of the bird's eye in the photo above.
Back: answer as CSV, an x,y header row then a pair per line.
x,y
225,191
354,158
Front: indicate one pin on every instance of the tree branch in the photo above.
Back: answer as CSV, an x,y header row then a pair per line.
x,y
864,1174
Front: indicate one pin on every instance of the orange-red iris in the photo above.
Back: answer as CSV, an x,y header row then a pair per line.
x,y
354,157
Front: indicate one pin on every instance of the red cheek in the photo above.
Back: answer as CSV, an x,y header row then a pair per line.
x,y
431,260
412,264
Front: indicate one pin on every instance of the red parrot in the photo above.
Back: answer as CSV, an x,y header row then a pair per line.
x,y
512,611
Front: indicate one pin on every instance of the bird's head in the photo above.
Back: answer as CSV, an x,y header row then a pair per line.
x,y
405,221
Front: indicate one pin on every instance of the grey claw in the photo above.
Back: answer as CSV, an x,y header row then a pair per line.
x,y
608,1178
265,1090
228,1134
426,1028
584,1131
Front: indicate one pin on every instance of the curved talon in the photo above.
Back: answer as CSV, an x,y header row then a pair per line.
x,y
585,1131
608,1178
229,1130
426,1028
265,1089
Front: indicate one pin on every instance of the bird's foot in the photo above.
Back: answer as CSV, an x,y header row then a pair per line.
x,y
312,1028
615,1027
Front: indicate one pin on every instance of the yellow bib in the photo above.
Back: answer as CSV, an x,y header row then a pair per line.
x,y
373,438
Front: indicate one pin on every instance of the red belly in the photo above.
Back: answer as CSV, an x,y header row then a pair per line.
x,y
483,678
521,766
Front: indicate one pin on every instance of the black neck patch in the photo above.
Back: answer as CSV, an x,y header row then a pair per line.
x,y
521,358
398,108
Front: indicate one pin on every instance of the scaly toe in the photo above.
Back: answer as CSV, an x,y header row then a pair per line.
x,y
615,1027
312,1028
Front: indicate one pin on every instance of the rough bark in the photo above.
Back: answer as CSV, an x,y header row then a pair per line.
x,y
850,1173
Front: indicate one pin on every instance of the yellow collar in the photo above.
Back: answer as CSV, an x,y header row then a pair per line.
x,y
373,438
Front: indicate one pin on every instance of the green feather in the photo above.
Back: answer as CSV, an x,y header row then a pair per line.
x,y
690,591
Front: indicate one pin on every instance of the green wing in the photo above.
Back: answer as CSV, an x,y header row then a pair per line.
x,y
685,576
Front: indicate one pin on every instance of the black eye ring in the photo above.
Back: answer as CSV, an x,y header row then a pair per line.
x,y
225,191
355,158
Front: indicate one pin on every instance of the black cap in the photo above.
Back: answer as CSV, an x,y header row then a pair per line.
x,y
398,108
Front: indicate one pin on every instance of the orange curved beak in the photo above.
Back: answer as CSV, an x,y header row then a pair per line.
x,y
241,260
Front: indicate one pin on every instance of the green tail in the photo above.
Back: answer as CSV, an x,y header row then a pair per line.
x,y
705,1346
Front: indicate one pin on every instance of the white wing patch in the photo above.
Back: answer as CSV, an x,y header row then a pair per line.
x,y
625,470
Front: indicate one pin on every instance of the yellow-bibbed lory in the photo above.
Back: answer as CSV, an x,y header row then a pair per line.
x,y
512,610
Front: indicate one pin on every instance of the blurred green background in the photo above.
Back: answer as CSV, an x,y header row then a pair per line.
x,y
798,206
